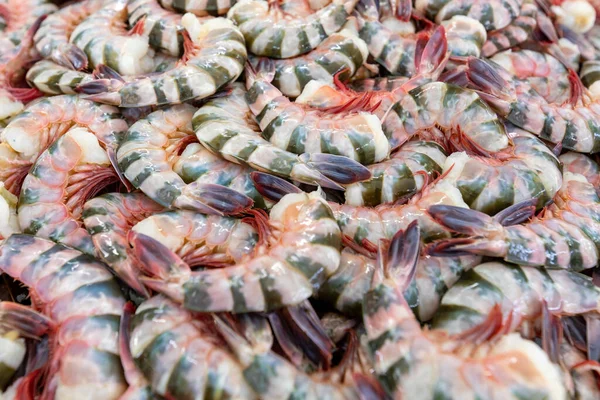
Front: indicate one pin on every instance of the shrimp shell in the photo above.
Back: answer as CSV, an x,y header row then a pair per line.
x,y
161,26
52,78
200,8
513,34
495,14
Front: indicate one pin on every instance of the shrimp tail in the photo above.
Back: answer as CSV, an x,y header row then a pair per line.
x,y
403,255
300,327
492,87
272,187
338,169
24,320
403,10
209,198
472,222
238,344
156,259
551,333
434,56
105,88
70,56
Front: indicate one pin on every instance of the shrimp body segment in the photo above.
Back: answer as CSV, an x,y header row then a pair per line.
x,y
84,303
269,31
200,8
52,78
161,26
304,250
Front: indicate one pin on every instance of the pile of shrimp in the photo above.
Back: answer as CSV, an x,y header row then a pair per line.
x,y
307,199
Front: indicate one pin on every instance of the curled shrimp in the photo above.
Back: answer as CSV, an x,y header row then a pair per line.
x,y
521,293
199,8
146,155
301,129
19,16
52,39
108,219
104,39
303,250
414,363
543,72
214,56
225,126
566,236
201,240
529,170
71,170
161,26
42,122
515,33
198,367
270,31
82,303
576,127
342,52
347,287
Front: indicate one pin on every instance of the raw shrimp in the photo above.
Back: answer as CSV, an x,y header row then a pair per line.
x,y
584,382
42,122
104,39
521,293
529,170
146,155
198,7
342,52
225,126
273,377
71,170
465,36
301,129
161,26
303,249
270,31
495,14
576,127
577,163
544,73
513,34
461,114
83,302
202,240
414,363
52,39
566,236
51,78
19,16
108,219
214,56
176,356
406,173
346,288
